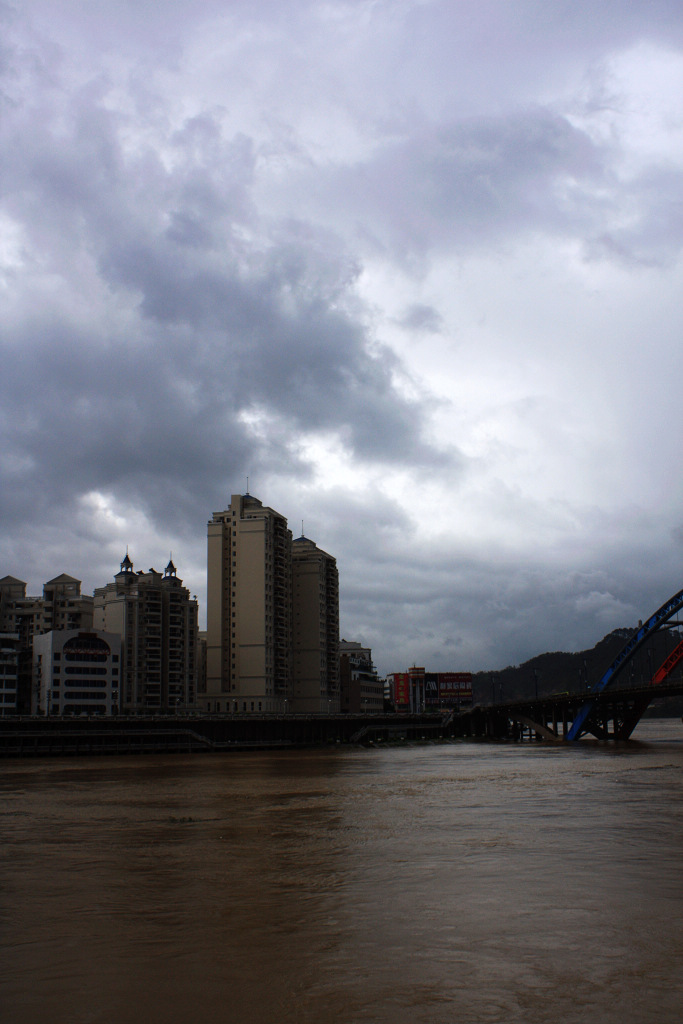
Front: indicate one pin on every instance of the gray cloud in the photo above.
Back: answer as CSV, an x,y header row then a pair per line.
x,y
223,231
480,182
187,325
419,317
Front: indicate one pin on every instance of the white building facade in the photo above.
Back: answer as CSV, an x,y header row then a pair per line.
x,y
76,672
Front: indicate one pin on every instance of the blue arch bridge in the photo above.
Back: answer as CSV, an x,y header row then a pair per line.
x,y
608,709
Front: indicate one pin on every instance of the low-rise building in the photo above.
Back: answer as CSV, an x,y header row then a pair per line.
x,y
361,691
76,672
417,690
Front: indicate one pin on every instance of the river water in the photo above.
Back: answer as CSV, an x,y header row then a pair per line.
x,y
464,882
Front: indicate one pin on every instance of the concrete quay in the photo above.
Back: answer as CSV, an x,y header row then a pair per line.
x,y
53,737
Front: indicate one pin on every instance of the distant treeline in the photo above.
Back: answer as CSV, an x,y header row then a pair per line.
x,y
560,672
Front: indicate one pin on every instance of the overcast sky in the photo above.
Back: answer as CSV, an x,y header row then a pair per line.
x,y
412,266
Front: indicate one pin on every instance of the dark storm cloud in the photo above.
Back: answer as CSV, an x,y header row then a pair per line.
x,y
188,326
81,415
216,219
460,609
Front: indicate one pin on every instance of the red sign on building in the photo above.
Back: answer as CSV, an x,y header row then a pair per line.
x,y
401,688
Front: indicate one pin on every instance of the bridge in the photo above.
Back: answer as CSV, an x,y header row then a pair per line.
x,y
613,715
608,709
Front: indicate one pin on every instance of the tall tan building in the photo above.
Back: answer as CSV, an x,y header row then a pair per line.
x,y
315,629
249,609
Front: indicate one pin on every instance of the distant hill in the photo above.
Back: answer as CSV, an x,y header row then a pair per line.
x,y
560,671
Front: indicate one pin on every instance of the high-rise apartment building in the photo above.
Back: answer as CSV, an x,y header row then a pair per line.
x,y
249,609
157,621
61,606
315,629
